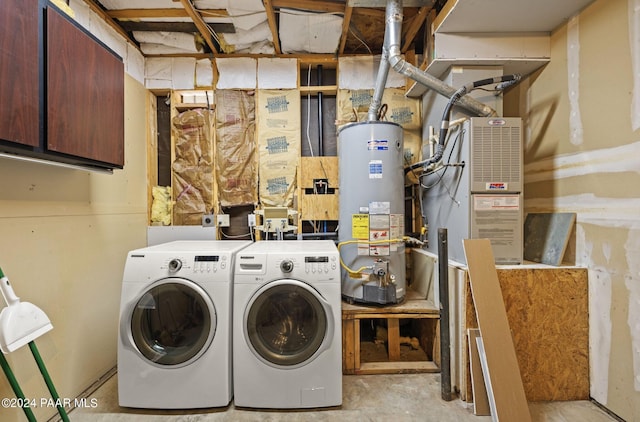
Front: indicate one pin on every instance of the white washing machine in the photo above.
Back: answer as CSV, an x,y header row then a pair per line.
x,y
287,334
174,347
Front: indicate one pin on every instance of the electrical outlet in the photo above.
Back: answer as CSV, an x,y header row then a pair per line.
x,y
251,219
223,220
208,220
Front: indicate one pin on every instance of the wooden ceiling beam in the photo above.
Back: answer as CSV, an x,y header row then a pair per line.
x,y
346,21
133,14
273,25
204,30
367,11
311,5
218,28
414,27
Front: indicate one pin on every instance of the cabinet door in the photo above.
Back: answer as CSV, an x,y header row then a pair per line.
x,y
85,94
19,72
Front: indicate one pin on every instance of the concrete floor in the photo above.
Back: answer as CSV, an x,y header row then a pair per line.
x,y
414,397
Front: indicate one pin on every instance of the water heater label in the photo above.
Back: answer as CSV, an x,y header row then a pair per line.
x,y
378,145
396,229
379,234
360,226
375,169
380,207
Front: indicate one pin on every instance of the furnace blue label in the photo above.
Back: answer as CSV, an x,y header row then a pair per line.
x,y
378,145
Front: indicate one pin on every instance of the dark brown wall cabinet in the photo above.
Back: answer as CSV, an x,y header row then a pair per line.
x,y
63,77
19,72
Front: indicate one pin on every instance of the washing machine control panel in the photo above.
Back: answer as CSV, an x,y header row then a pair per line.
x,y
312,264
198,264
319,264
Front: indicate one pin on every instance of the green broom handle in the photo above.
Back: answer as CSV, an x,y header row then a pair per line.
x,y
47,379
16,388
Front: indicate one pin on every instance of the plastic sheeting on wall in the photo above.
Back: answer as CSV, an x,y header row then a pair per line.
x,y
279,145
193,166
236,167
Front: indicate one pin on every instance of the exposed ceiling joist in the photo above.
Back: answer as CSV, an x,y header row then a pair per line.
x,y
273,26
204,30
135,14
314,6
414,27
348,11
362,28
220,28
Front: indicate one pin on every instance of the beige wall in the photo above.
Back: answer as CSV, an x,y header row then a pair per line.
x,y
64,236
582,155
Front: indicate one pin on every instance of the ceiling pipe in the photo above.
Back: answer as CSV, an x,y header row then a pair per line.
x,y
381,79
392,57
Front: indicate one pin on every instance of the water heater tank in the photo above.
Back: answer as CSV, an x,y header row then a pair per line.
x,y
371,213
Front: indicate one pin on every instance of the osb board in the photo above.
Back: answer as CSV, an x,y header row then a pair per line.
x,y
318,168
502,373
547,309
319,207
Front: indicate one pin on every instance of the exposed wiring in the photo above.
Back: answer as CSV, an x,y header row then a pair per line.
x,y
443,167
309,111
236,236
360,39
502,83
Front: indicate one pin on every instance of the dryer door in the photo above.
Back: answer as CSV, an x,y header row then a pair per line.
x,y
172,322
288,323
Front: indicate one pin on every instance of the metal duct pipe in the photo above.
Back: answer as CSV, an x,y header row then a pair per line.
x,y
381,79
393,33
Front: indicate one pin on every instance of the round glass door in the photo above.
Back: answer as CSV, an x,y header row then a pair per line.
x,y
173,322
286,323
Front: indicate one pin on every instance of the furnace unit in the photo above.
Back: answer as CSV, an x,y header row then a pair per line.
x,y
477,192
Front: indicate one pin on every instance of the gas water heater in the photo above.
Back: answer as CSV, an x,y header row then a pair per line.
x,y
371,213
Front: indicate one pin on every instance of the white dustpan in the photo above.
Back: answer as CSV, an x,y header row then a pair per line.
x,y
20,322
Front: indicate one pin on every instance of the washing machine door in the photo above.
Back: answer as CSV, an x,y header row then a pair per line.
x,y
172,322
288,323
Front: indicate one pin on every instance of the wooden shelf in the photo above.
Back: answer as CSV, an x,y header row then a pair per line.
x,y
191,106
314,90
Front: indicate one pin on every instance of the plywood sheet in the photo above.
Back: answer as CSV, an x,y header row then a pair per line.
x,y
502,362
547,309
546,236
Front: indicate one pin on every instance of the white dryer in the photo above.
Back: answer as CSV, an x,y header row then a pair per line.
x,y
287,334
174,345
